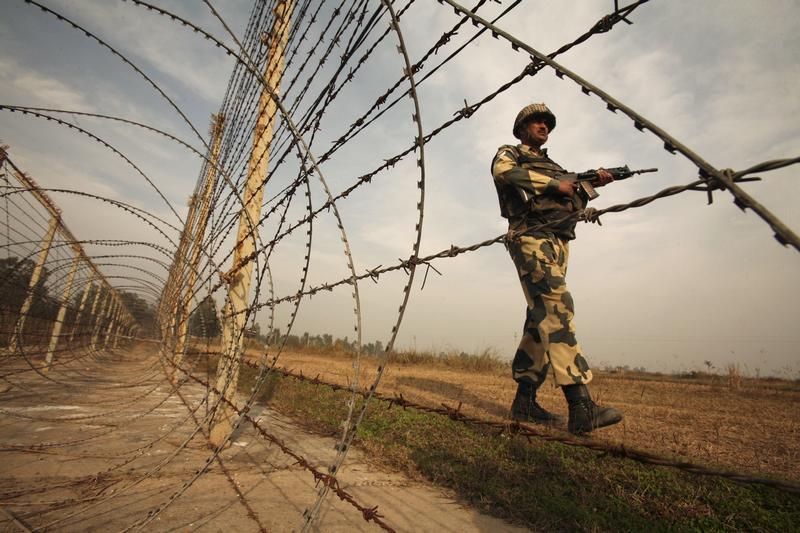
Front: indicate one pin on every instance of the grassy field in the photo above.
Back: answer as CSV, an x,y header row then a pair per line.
x,y
750,426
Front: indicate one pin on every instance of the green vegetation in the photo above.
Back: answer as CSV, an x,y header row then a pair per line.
x,y
203,321
542,485
143,312
15,277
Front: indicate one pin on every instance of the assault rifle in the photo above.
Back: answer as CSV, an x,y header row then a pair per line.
x,y
586,180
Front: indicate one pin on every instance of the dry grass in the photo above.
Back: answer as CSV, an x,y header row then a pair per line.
x,y
734,377
745,424
539,484
486,361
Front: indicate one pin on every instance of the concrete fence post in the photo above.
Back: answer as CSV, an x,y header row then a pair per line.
x,y
111,323
14,344
240,276
62,312
98,325
79,312
217,122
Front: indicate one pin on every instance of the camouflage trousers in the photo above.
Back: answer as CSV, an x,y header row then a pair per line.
x,y
548,341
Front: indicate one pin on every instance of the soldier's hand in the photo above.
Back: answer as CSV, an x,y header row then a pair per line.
x,y
566,188
604,177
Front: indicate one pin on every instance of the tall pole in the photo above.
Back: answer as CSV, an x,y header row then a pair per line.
x,y
93,318
111,323
14,345
78,313
172,292
202,219
118,333
62,312
241,274
98,325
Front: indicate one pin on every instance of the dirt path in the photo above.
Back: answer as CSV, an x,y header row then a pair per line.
x,y
103,441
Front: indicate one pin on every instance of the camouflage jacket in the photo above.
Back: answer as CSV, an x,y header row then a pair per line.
x,y
528,192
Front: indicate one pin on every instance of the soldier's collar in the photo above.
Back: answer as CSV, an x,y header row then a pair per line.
x,y
526,148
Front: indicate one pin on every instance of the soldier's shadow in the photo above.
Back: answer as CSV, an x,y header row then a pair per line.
x,y
456,393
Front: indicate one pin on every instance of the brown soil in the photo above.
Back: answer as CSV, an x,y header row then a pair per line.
x,y
104,440
753,429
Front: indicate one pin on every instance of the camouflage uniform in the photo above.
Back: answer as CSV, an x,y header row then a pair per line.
x,y
529,197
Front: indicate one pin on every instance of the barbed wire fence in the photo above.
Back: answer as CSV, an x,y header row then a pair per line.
x,y
49,281
286,85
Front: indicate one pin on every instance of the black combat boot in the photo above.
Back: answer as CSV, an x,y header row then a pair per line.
x,y
584,414
526,409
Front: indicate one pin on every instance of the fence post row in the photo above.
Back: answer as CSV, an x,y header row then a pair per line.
x,y
96,280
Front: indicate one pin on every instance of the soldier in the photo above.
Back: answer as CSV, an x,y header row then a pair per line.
x,y
531,196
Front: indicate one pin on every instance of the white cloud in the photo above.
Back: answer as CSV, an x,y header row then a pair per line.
x,y
721,80
24,85
165,45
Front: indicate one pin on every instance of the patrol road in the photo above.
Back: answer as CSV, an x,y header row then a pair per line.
x,y
122,419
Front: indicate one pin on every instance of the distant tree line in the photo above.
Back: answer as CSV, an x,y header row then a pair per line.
x,y
204,322
15,276
143,312
323,341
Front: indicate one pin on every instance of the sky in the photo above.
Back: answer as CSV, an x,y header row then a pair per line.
x,y
665,287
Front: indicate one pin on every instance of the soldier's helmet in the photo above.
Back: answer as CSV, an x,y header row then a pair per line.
x,y
530,111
